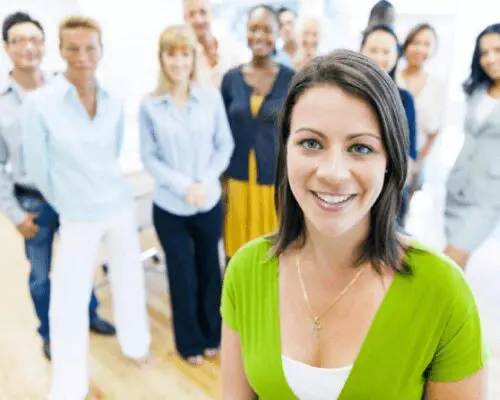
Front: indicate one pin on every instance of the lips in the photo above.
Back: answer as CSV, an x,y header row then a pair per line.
x,y
333,202
333,199
260,46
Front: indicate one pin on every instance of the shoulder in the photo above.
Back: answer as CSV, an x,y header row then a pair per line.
x,y
437,275
232,73
147,101
286,74
46,94
249,261
480,92
286,71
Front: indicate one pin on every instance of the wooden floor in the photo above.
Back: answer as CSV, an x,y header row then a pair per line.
x,y
25,375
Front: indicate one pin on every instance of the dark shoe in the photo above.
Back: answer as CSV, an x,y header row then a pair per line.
x,y
102,327
46,350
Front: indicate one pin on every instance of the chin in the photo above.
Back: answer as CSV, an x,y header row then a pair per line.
x,y
31,64
333,229
495,75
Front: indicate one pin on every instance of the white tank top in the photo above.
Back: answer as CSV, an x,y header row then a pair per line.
x,y
313,383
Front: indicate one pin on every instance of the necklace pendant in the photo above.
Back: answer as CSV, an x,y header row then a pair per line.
x,y
316,326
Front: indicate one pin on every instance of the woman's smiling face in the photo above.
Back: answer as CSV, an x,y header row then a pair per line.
x,y
336,160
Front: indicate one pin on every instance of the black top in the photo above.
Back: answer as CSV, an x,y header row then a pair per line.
x,y
259,133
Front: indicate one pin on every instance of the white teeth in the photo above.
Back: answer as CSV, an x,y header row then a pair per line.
x,y
333,199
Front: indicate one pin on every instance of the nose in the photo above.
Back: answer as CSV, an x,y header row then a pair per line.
x,y
379,59
334,167
30,45
82,56
258,34
198,18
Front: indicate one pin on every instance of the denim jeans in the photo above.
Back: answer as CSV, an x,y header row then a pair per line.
x,y
39,253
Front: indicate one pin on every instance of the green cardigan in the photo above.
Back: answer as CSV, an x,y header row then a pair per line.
x,y
427,328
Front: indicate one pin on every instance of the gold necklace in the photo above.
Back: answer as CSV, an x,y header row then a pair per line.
x,y
317,318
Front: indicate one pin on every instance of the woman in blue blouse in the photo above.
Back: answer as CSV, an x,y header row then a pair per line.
x,y
186,145
253,93
380,43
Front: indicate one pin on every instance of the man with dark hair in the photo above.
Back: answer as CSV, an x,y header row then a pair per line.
x,y
286,54
20,200
18,18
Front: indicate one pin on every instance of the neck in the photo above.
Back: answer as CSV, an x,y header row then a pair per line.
x,y
180,90
494,89
413,70
27,79
337,256
290,47
261,62
84,85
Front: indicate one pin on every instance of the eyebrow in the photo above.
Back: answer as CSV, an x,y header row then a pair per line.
x,y
350,136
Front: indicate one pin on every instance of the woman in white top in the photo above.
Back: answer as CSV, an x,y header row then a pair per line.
x,y
427,90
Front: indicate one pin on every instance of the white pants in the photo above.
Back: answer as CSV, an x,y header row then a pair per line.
x,y
72,281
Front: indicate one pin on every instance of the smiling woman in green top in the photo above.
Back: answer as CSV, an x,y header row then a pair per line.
x,y
338,303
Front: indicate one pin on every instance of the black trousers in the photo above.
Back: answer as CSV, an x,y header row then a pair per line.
x,y
194,276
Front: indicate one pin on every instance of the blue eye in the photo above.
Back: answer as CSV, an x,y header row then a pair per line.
x,y
310,144
360,149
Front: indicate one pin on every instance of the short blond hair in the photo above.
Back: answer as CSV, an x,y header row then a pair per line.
x,y
79,21
178,37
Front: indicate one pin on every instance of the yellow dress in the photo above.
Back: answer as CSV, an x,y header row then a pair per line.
x,y
250,206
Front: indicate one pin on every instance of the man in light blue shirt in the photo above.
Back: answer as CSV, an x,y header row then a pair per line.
x,y
20,199
72,135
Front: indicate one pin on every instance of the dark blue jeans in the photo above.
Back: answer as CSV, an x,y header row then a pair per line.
x,y
39,253
194,276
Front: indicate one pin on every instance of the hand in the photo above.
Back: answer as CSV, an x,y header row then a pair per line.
x,y
197,194
28,228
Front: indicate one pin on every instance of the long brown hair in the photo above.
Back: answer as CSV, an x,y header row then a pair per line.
x,y
361,77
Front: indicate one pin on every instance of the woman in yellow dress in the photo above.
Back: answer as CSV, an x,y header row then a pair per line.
x,y
253,93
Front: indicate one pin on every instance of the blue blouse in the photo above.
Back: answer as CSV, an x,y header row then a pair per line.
x,y
180,146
